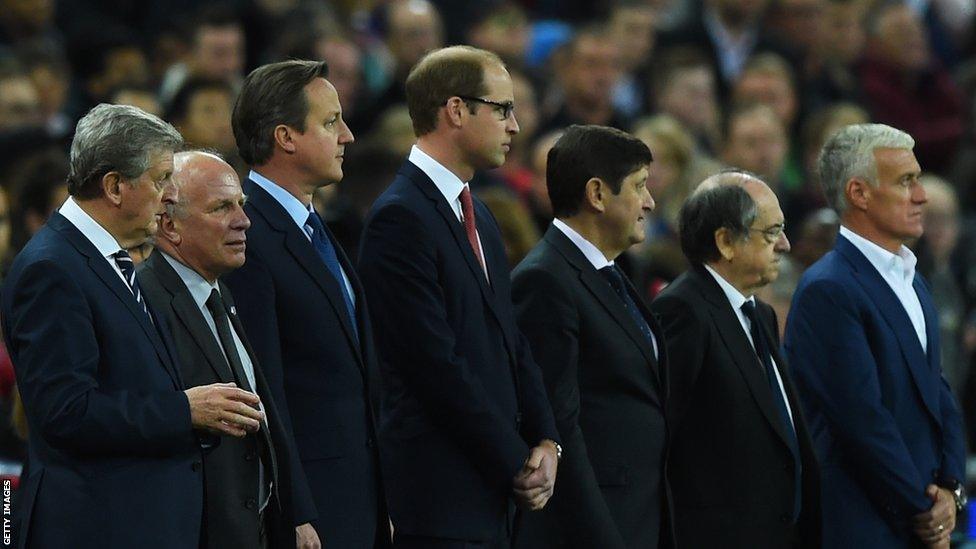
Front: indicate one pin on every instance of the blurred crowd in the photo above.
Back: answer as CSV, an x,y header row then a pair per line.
x,y
757,84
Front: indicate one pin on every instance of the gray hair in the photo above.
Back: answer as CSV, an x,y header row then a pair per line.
x,y
721,201
849,153
116,138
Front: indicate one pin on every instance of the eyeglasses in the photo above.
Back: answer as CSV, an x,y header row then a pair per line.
x,y
771,234
503,109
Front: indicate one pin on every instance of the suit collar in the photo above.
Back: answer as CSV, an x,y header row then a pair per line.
x,y
104,242
592,254
199,288
297,211
449,184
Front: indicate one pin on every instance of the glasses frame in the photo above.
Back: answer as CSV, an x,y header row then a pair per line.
x,y
505,109
771,234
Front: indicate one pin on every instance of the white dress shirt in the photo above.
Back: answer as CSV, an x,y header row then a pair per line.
x,y
737,300
448,184
593,255
299,214
898,270
733,51
103,241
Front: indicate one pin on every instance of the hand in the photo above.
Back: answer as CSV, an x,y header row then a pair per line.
x,y
534,484
306,537
935,525
224,409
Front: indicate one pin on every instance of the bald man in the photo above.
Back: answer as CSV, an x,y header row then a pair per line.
x,y
201,237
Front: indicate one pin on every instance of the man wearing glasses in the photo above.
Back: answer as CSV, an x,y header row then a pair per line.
x,y
742,469
466,429
863,340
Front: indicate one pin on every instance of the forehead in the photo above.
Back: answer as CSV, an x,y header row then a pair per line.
x,y
498,83
161,162
769,212
322,97
895,162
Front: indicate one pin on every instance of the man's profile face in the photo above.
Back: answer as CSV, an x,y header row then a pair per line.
x,y
142,199
320,148
895,204
487,136
626,213
212,227
757,257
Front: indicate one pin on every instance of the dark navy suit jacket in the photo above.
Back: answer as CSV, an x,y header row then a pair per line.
x,y
462,399
113,459
319,373
883,419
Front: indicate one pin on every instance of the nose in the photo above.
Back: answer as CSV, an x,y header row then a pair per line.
x,y
783,244
169,193
241,220
346,136
511,124
649,203
918,193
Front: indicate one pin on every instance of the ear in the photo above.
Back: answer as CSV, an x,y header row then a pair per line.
x,y
168,229
724,241
285,139
594,194
858,193
112,187
455,112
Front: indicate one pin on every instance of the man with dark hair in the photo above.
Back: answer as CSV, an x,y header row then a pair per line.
x,y
201,110
301,304
201,238
114,460
216,37
741,464
466,423
601,351
863,339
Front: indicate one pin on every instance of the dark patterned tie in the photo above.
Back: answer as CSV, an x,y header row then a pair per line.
x,y
128,268
762,346
219,312
616,281
326,250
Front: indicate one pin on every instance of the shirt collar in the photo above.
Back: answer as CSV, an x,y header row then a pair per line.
x,y
591,252
296,210
199,287
734,296
104,242
901,264
444,179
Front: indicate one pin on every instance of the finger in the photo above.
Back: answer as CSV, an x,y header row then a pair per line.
x,y
932,491
535,459
222,428
240,421
240,395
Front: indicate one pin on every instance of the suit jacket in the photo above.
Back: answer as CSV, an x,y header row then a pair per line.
x,y
231,468
462,399
883,419
608,393
731,467
296,319
113,459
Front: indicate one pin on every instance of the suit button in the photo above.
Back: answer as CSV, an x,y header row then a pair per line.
x,y
250,456
935,474
196,466
250,503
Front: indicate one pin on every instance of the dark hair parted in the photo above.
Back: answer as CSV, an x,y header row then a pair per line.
x,y
179,107
441,75
707,210
272,94
585,152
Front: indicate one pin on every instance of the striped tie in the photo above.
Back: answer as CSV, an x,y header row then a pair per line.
x,y
128,268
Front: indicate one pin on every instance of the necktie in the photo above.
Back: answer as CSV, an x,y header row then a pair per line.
x,y
326,250
467,212
616,281
128,268
762,346
216,306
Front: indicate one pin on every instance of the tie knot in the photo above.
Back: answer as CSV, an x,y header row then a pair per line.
x,y
216,304
315,223
122,256
749,308
611,274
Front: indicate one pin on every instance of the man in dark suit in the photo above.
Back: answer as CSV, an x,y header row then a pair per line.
x,y
201,237
466,423
601,351
302,307
114,460
863,339
741,464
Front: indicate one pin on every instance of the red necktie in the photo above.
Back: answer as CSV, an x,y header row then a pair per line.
x,y
467,212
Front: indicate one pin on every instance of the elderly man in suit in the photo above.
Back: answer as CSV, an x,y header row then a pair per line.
x,y
741,466
202,237
114,458
466,426
601,351
863,339
302,307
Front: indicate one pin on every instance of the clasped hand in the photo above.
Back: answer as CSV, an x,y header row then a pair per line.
x,y
534,484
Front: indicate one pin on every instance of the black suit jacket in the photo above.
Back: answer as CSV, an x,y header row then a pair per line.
x,y
608,393
730,466
231,468
462,399
114,461
295,317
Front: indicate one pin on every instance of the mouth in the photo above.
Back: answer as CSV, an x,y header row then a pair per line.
x,y
237,244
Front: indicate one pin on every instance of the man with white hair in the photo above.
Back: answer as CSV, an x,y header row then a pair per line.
x,y
863,339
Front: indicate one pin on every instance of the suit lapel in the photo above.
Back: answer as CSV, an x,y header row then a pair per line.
x,y
897,318
99,265
594,282
934,350
301,249
742,351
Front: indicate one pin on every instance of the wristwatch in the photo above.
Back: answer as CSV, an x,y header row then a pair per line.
x,y
959,495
